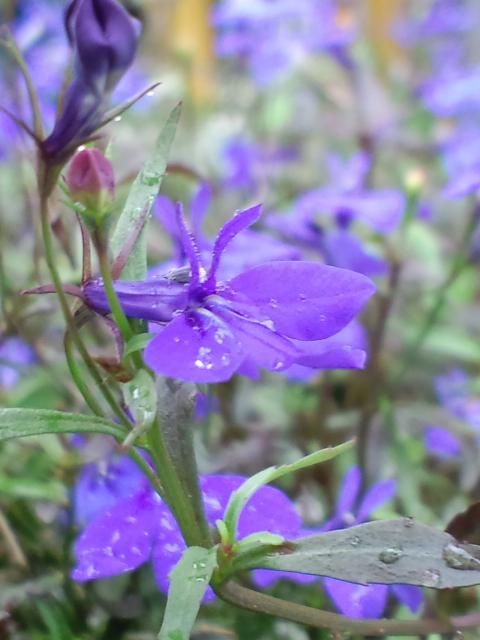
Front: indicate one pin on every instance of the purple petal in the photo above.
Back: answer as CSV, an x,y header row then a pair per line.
x,y
323,354
189,246
304,300
349,490
199,209
196,346
101,486
409,595
357,600
441,443
265,347
227,233
265,578
120,540
342,249
375,497
167,551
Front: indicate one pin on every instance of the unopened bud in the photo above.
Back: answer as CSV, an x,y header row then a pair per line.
x,y
415,180
91,183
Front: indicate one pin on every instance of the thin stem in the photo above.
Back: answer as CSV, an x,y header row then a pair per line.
x,y
262,603
195,533
458,266
45,190
115,307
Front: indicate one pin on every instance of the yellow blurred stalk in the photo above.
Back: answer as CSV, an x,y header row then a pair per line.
x,y
380,15
192,38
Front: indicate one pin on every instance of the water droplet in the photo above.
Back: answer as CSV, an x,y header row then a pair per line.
x,y
220,335
321,317
431,578
390,555
151,93
458,558
408,522
225,360
355,541
204,358
273,303
117,119
278,365
150,178
176,339
458,635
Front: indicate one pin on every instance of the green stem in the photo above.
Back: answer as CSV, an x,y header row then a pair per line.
x,y
195,533
262,603
46,187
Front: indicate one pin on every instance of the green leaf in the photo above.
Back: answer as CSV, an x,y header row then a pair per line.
x,y
140,201
188,583
240,497
20,423
137,343
385,552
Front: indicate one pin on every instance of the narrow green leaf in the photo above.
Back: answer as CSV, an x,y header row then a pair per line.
x,y
385,552
137,343
140,201
242,495
188,583
20,423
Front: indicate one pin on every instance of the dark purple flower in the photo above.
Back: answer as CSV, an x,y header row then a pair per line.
x,y
104,39
16,358
356,600
264,315
140,528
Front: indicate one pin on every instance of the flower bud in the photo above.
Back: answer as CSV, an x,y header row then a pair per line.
x,y
104,39
90,181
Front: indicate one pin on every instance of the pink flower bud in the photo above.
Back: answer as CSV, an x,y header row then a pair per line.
x,y
91,182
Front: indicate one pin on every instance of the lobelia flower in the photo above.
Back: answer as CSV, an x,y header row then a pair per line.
x,y
135,528
276,37
16,357
357,600
348,202
239,256
104,38
269,316
454,394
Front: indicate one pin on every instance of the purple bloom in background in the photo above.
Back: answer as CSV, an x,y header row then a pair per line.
x,y
16,358
461,160
273,38
453,393
139,528
321,220
104,40
357,600
250,165
239,256
454,92
267,316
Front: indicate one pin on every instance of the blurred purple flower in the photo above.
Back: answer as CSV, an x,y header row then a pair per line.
x,y
341,206
16,358
265,315
139,528
239,256
454,395
454,92
275,37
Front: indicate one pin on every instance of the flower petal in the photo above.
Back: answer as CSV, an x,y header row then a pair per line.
x,y
304,300
349,490
357,600
120,540
375,497
441,443
409,595
196,346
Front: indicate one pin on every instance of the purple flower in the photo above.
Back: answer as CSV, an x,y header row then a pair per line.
x,y
239,256
104,39
321,219
453,393
16,357
139,528
455,92
275,37
266,315
356,600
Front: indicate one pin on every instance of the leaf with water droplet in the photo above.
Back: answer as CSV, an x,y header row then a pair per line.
x,y
386,552
140,200
188,582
